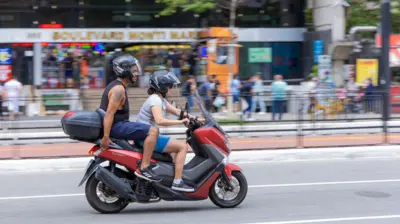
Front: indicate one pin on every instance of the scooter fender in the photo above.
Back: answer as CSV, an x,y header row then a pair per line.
x,y
229,168
90,169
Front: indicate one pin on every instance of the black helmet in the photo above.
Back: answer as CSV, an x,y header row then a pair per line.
x,y
123,64
161,80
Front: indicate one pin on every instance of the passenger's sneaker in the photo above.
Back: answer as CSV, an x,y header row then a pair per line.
x,y
147,174
182,187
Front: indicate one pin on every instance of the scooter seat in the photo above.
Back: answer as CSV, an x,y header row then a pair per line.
x,y
124,144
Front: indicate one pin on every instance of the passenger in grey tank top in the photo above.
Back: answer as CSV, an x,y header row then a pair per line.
x,y
146,115
154,111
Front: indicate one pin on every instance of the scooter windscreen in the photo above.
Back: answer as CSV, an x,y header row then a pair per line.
x,y
209,120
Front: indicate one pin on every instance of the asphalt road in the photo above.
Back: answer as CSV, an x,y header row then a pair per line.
x,y
358,191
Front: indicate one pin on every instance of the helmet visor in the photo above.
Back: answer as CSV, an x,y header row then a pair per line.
x,y
139,68
172,79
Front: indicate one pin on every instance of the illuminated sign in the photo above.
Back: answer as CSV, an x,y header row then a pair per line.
x,y
50,26
5,73
5,56
53,35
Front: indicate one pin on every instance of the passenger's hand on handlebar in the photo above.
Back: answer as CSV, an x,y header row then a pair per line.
x,y
105,142
201,120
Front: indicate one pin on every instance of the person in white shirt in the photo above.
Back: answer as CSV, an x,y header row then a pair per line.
x,y
2,94
13,90
258,90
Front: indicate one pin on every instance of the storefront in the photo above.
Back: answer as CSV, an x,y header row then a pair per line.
x,y
48,50
60,61
86,46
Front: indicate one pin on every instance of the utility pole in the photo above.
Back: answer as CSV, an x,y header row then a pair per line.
x,y
231,51
386,77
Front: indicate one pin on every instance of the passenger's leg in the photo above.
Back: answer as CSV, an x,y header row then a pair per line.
x,y
180,148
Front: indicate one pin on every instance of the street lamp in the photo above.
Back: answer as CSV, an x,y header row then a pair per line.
x,y
231,50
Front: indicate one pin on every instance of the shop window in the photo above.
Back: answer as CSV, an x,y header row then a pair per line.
x,y
73,65
287,60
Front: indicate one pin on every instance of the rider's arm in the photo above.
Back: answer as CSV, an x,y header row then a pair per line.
x,y
115,97
161,120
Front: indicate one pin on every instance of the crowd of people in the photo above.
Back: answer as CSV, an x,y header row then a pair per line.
x,y
251,91
356,98
79,68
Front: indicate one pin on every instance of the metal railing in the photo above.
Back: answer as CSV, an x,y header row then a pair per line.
x,y
350,121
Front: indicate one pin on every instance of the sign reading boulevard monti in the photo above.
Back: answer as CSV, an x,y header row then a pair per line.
x,y
260,55
98,35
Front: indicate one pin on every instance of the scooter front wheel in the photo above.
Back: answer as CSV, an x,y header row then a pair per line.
x,y
223,197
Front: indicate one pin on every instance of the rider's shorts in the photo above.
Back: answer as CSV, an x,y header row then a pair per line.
x,y
161,144
130,130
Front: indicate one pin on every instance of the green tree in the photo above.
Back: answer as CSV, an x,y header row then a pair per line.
x,y
197,6
367,13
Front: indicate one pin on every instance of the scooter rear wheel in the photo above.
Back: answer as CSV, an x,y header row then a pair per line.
x,y
106,202
224,198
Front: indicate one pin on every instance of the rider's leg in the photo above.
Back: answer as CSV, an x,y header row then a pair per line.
x,y
139,132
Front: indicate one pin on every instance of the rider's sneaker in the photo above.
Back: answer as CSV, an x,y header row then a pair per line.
x,y
147,174
182,187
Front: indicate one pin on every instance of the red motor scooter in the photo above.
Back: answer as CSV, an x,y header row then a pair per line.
x,y
110,188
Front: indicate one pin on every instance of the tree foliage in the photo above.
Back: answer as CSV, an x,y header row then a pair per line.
x,y
368,13
196,6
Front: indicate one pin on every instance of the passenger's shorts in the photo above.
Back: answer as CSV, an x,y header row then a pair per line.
x,y
161,144
130,130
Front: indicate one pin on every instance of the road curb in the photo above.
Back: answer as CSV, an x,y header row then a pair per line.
x,y
253,156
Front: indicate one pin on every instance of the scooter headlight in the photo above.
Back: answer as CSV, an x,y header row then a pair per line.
x,y
225,161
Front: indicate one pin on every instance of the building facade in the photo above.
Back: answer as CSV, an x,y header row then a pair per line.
x,y
144,14
273,24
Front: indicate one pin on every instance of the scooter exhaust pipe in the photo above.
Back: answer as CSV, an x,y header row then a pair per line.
x,y
124,190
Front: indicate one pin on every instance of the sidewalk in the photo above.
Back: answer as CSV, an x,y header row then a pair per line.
x,y
237,144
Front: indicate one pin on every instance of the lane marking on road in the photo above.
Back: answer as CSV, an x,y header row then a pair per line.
x,y
332,220
40,196
325,183
53,170
361,159
251,186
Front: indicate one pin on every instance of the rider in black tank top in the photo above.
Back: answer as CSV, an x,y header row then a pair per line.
x,y
120,115
116,122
